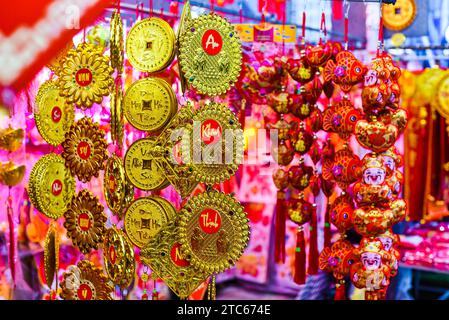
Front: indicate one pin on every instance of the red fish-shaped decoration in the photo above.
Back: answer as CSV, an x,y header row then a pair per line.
x,y
341,118
341,213
345,72
344,169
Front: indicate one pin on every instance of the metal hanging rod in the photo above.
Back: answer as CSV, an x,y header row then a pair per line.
x,y
377,1
420,47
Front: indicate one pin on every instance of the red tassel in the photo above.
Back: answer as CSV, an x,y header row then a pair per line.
x,y
327,227
340,291
12,241
300,257
279,246
313,244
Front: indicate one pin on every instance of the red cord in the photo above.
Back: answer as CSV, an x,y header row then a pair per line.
x,y
283,28
346,31
381,35
151,8
212,5
303,25
323,26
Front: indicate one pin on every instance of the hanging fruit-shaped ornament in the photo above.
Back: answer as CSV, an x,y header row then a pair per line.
x,y
300,70
312,90
316,119
299,175
303,140
282,153
376,135
319,54
301,108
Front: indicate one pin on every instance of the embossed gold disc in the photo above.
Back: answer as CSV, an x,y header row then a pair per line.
x,y
210,54
51,186
150,45
167,205
114,184
400,15
149,104
213,231
141,168
51,254
114,254
442,99
143,219
52,114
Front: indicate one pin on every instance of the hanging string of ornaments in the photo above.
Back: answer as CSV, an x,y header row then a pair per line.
x,y
369,189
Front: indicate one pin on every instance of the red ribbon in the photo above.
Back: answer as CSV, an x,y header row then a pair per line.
x,y
279,236
346,31
381,35
327,227
313,245
300,258
303,25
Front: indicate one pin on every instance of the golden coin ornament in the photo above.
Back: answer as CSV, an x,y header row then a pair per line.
x,y
164,256
167,205
149,104
114,181
210,54
85,76
143,220
51,186
114,254
84,149
85,281
52,114
216,138
11,174
51,255
150,45
116,42
213,231
85,221
130,269
400,15
442,99
141,167
186,17
117,122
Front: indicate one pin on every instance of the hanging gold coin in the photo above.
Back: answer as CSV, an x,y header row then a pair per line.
x,y
400,15
51,255
51,186
164,256
214,148
149,104
442,99
85,281
116,42
114,254
84,149
150,45
210,54
141,168
167,205
130,270
143,220
213,231
52,114
85,221
114,184
186,17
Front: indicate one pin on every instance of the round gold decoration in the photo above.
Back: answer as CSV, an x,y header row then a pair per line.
x,y
117,123
85,221
116,255
186,17
141,168
85,281
116,42
210,54
442,99
213,231
163,254
400,15
216,138
149,104
150,45
114,181
56,62
51,186
11,174
85,149
52,114
166,205
143,219
130,269
85,76
51,255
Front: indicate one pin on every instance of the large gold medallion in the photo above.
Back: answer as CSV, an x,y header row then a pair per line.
x,y
213,148
210,54
85,281
149,104
116,42
442,99
52,114
51,186
150,45
85,221
114,254
213,231
143,220
164,256
167,205
85,76
114,184
117,123
141,167
400,15
51,255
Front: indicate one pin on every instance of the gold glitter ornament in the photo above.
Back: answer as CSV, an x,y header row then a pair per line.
x,y
213,231
56,62
164,256
116,42
141,167
11,174
11,139
130,269
52,114
84,149
51,254
85,76
114,181
166,205
114,254
186,17
85,221
143,220
150,45
51,187
217,140
117,121
400,15
149,104
210,54
85,281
